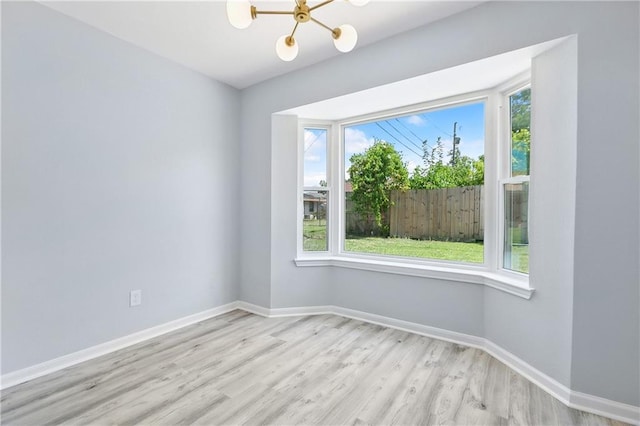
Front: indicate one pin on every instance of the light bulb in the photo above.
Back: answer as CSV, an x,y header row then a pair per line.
x,y
347,39
285,51
239,13
358,2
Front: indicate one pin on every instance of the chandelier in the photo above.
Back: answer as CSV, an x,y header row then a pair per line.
x,y
241,13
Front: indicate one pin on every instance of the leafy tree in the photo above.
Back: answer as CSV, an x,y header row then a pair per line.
x,y
373,174
520,131
478,171
323,183
433,156
521,110
436,174
520,151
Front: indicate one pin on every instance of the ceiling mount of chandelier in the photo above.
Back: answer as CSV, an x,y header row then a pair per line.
x,y
241,13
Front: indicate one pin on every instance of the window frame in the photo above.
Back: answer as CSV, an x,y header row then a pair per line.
x,y
328,127
505,92
490,272
437,105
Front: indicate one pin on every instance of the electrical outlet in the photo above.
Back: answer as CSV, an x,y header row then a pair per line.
x,y
135,297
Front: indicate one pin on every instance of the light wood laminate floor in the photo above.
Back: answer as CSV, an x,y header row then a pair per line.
x,y
240,368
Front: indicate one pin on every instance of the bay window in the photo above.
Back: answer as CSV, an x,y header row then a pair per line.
x,y
438,190
414,184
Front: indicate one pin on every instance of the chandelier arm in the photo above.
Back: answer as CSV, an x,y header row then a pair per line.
x,y
294,30
334,31
272,12
324,3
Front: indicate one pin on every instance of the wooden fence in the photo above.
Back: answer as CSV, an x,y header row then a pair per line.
x,y
450,214
355,224
453,214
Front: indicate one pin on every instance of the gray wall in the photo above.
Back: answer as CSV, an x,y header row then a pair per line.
x,y
543,324
603,324
255,234
290,286
119,172
606,315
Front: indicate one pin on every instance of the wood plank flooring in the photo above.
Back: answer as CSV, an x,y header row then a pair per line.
x,y
241,368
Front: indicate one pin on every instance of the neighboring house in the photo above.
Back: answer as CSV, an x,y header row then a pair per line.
x,y
315,205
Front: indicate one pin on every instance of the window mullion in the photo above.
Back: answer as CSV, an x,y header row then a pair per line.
x,y
493,161
335,152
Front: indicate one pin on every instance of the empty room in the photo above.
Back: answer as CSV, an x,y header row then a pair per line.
x,y
320,212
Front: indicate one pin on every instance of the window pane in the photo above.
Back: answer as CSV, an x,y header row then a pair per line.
x,y
314,231
315,157
520,103
414,185
516,227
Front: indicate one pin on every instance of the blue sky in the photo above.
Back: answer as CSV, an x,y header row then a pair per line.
x,y
405,133
315,156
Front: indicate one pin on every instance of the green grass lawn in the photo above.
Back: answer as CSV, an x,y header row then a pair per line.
x,y
520,258
441,250
315,235
315,239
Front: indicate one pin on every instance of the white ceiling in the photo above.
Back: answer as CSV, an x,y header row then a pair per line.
x,y
197,34
471,77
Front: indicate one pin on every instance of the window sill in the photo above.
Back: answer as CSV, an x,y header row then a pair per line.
x,y
513,285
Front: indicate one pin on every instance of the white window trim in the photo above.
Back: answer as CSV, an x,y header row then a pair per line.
x,y
316,125
505,91
503,282
490,273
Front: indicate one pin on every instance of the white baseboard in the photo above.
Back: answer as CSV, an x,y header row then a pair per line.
x,y
605,407
254,309
285,312
47,367
574,399
412,327
546,383
581,401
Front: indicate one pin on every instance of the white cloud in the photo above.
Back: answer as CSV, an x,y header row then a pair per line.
x,y
314,179
315,157
471,148
411,166
355,141
315,147
311,140
416,120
